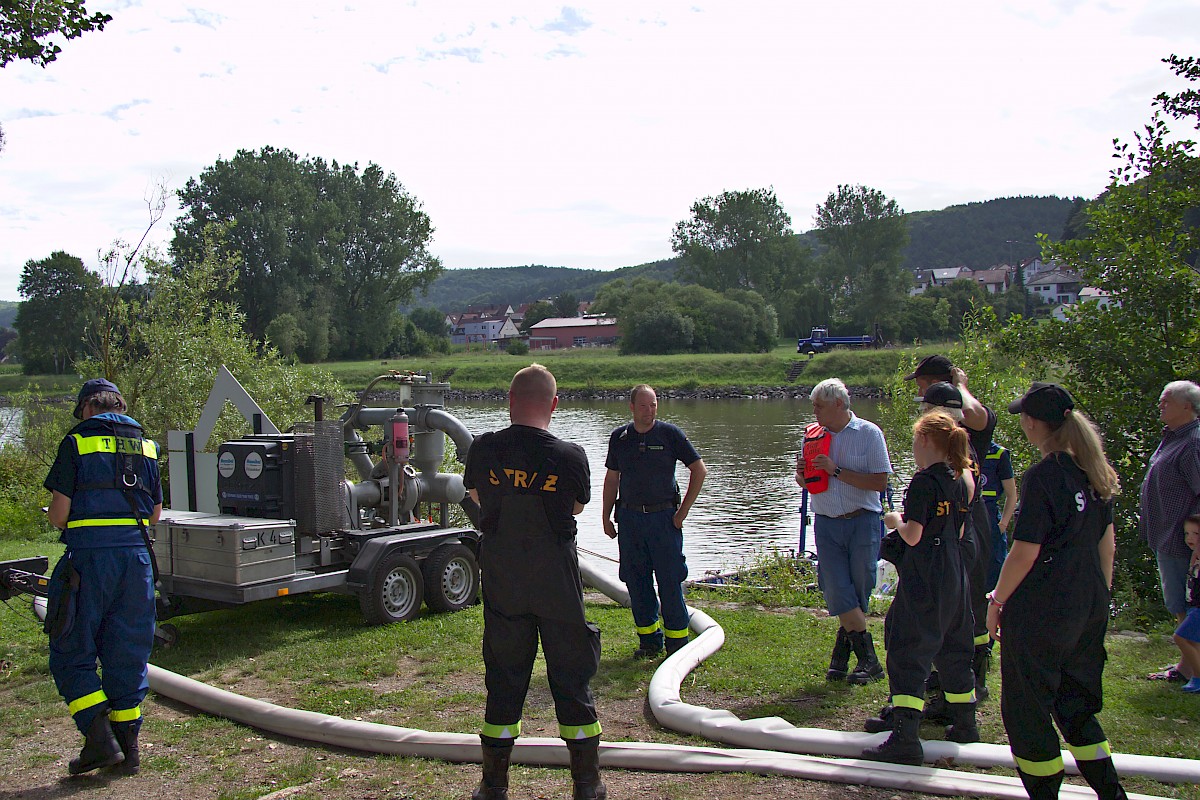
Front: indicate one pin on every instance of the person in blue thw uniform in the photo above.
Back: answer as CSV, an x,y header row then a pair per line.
x,y
640,484
105,492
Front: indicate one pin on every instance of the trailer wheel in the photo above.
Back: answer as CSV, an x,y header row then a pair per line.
x,y
451,578
166,635
394,591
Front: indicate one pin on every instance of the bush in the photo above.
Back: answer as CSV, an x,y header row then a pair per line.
x,y
517,347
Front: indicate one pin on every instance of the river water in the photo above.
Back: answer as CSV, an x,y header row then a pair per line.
x,y
750,501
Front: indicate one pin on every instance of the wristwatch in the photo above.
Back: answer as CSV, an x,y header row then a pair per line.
x,y
837,472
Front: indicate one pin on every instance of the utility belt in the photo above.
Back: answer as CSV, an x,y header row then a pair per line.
x,y
652,508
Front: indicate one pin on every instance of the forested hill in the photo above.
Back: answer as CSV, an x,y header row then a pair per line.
x,y
981,235
975,235
458,288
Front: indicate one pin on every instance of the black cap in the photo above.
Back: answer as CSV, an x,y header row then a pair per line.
x,y
942,394
935,366
93,387
1048,402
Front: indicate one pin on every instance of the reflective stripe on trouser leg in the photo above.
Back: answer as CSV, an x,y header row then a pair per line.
x,y
509,732
575,732
86,702
908,701
124,714
1091,752
1039,769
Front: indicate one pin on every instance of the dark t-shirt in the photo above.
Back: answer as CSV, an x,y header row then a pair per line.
x,y
981,441
646,461
1055,494
525,460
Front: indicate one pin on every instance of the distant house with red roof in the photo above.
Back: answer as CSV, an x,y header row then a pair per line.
x,y
561,332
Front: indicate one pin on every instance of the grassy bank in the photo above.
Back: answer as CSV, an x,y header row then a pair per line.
x,y
602,369
607,370
313,652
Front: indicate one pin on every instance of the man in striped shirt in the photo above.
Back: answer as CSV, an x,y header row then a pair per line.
x,y
846,526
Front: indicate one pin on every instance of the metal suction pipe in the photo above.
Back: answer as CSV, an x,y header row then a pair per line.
x,y
441,420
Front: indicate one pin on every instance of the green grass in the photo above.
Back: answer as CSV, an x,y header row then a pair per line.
x,y
314,652
607,370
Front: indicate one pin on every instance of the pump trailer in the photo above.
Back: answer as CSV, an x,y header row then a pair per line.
x,y
272,514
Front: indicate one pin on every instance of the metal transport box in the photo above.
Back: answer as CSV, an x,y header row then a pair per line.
x,y
227,549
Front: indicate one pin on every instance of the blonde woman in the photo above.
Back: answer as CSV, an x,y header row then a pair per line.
x,y
1052,599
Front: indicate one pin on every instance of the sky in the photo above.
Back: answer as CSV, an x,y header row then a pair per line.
x,y
578,135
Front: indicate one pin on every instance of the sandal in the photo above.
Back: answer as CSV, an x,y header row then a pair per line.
x,y
1169,673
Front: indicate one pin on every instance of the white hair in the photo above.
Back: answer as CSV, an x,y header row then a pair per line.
x,y
1186,391
954,413
831,389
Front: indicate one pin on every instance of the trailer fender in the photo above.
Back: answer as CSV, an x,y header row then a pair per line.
x,y
379,547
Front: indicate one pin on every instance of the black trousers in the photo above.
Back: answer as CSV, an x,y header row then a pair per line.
x,y
572,652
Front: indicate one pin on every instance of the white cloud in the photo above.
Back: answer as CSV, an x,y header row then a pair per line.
x,y
577,135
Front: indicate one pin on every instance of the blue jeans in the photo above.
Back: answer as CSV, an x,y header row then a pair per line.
x,y
1172,573
847,560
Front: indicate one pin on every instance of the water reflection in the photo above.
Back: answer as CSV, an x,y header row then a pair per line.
x,y
750,500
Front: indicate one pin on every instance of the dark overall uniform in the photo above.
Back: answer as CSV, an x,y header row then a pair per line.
x,y
1052,653
528,482
649,543
929,621
977,546
101,594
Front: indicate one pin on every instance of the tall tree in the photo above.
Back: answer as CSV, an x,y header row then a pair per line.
x,y
864,234
335,248
58,295
738,240
1140,249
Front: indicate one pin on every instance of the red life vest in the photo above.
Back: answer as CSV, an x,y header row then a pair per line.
x,y
816,443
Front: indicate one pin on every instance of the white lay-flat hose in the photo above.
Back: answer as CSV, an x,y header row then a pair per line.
x,y
668,709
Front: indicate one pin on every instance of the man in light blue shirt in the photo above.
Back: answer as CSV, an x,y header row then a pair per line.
x,y
846,524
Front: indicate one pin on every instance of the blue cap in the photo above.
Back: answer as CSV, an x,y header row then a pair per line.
x,y
93,387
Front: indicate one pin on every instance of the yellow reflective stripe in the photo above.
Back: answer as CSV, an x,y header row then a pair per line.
x,y
679,634
103,522
1040,769
570,732
87,701
648,629
989,492
125,714
502,731
960,697
982,639
86,445
1091,752
908,701
995,456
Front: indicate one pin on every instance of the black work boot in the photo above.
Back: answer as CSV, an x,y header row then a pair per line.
x,y
585,769
981,663
963,729
868,667
1041,787
884,722
100,748
937,710
494,785
126,734
904,745
1101,775
839,659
